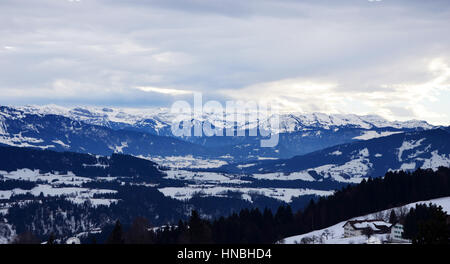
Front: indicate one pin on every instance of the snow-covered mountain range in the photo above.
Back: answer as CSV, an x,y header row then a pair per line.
x,y
147,132
49,131
159,120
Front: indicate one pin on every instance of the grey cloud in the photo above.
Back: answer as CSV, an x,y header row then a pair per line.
x,y
113,46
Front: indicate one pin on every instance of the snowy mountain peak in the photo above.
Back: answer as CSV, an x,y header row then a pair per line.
x,y
339,120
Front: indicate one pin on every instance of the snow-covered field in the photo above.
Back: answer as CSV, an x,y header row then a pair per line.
x,y
302,175
204,177
77,194
374,134
51,178
412,160
334,234
205,183
50,184
357,168
188,161
283,194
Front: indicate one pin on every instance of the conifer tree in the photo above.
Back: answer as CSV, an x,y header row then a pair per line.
x,y
51,239
393,217
116,236
427,224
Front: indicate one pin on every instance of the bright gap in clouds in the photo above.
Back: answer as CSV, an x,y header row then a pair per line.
x,y
397,101
163,90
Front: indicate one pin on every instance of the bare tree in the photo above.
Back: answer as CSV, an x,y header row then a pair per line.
x,y
402,212
380,215
326,234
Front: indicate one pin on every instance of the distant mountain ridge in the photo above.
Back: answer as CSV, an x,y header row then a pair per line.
x,y
146,132
57,132
159,120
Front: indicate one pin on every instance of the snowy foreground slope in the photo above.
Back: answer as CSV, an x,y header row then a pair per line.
x,y
335,234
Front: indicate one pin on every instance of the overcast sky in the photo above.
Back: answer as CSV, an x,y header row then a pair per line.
x,y
389,57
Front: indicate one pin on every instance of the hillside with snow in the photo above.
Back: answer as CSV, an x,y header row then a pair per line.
x,y
355,161
335,234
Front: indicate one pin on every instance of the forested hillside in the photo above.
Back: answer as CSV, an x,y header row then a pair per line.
x,y
255,226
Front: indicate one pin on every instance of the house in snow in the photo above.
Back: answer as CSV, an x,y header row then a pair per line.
x,y
360,227
396,235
